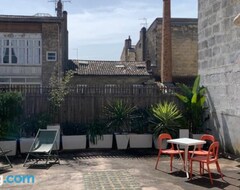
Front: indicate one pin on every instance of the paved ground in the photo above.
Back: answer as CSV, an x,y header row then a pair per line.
x,y
119,170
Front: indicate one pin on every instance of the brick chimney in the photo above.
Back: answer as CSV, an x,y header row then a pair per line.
x,y
166,54
143,42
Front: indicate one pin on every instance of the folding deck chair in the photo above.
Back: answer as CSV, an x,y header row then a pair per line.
x,y
4,153
43,145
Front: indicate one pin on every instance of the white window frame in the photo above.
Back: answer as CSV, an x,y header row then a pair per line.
x,y
51,52
36,46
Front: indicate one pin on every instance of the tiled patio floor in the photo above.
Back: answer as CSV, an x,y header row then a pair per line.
x,y
119,170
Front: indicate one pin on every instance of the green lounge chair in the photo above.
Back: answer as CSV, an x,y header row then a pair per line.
x,y
43,145
4,153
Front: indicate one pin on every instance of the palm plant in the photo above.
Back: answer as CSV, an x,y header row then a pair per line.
x,y
194,102
166,118
119,116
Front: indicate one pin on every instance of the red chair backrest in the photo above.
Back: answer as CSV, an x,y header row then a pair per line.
x,y
206,137
213,151
164,136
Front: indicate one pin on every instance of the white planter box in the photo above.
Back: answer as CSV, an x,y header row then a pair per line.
x,y
74,142
140,140
122,141
56,126
104,142
183,133
25,144
197,136
9,145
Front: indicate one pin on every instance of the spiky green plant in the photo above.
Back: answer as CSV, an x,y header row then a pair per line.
x,y
119,116
194,99
166,118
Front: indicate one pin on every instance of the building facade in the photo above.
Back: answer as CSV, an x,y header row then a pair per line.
x,y
219,67
30,47
184,48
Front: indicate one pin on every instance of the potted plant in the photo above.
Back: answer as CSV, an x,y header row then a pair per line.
x,y
140,136
194,99
98,135
74,136
10,110
119,116
166,118
30,128
59,89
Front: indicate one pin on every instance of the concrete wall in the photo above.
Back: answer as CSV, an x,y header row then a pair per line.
x,y
219,67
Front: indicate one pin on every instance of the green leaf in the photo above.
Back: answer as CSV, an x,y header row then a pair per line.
x,y
196,85
182,98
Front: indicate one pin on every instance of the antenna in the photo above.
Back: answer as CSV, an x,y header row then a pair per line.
x,y
56,1
144,23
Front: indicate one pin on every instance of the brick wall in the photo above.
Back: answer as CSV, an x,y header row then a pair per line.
x,y
184,46
219,67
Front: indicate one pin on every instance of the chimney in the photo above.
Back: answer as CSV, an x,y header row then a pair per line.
x,y
128,45
143,42
166,55
59,9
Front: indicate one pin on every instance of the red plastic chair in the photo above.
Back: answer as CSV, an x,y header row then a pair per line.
x,y
200,151
211,157
170,151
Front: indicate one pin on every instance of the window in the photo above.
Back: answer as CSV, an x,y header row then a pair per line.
x,y
20,48
51,56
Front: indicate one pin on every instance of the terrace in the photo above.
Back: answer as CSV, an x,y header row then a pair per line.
x,y
114,169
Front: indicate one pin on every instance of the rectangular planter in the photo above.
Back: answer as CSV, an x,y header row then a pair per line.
x,y
74,142
25,144
140,140
9,145
104,142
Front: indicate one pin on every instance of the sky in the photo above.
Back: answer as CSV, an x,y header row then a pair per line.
x,y
98,28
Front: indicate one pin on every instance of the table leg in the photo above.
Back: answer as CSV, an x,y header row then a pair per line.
x,y
186,161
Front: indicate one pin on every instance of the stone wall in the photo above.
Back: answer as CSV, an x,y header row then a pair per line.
x,y
219,67
184,47
50,42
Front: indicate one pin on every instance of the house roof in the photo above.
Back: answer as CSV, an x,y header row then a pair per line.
x,y
38,18
90,67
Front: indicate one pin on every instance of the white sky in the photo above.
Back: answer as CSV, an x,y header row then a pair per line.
x,y
98,28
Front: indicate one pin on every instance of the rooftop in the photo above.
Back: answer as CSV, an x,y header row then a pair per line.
x,y
91,67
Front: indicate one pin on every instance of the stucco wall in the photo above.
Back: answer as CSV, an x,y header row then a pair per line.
x,y
219,67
